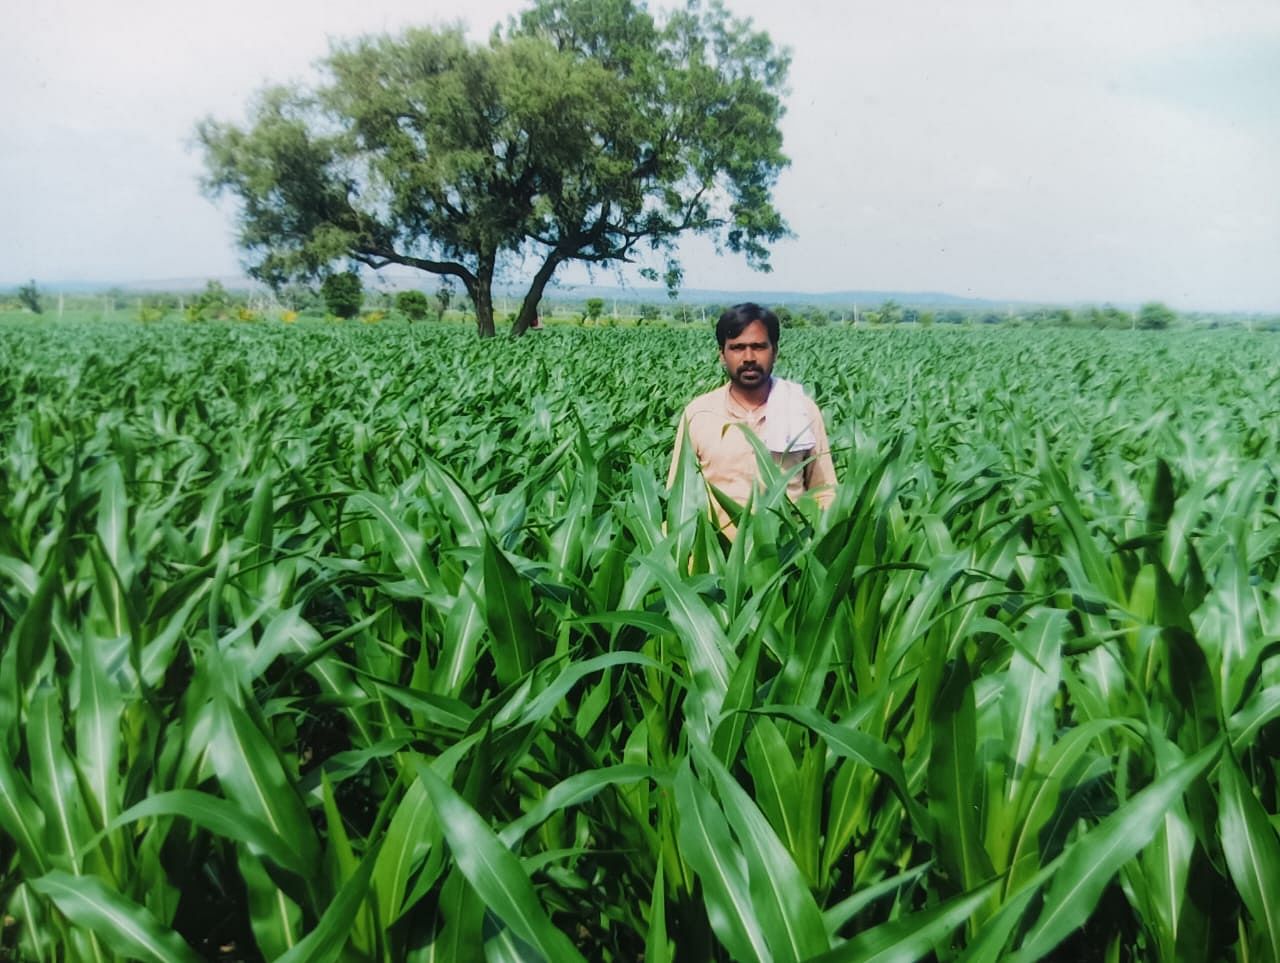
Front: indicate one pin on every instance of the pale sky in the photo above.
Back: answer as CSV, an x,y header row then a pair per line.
x,y
1087,151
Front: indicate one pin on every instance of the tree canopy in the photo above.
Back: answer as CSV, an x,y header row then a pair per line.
x,y
585,130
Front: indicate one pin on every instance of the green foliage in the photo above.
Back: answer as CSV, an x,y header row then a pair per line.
x,y
343,294
594,308
580,132
214,302
414,305
150,310
29,297
1154,316
303,661
444,297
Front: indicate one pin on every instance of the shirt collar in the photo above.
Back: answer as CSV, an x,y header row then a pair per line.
x,y
734,409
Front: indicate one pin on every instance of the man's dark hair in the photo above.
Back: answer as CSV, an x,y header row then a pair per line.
x,y
735,320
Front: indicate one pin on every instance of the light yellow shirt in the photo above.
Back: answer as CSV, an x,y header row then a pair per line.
x,y
728,461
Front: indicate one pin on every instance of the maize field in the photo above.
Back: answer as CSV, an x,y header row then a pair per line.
x,y
380,643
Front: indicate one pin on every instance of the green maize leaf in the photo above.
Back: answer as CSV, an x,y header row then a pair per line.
x,y
924,608
259,533
1191,681
802,676
327,941
494,871
576,789
1032,685
988,945
113,535
251,775
122,925
408,549
220,817
910,937
650,622
505,947
1091,861
711,660
866,750
545,702
159,653
953,781
1097,571
36,933
111,611
508,612
1261,709
657,949
463,629
98,728
687,499
34,630
451,715
775,780
788,914
411,834
706,844
276,919
22,819
412,837
1251,845
835,917
457,936
1159,879
740,697
1041,799
339,859
53,779
452,500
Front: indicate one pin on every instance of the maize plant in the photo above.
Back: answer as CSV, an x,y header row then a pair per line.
x,y
341,642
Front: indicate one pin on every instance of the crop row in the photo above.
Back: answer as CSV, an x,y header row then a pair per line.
x,y
387,644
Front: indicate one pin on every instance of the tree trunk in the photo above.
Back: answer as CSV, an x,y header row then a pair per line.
x,y
533,297
482,298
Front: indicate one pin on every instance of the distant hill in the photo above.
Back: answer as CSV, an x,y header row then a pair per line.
x,y
559,292
833,298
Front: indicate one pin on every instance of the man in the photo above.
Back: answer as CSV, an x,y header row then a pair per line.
x,y
778,412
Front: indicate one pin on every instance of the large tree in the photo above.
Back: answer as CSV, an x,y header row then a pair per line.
x,y
585,130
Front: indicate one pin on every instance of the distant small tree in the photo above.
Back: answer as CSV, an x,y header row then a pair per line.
x,y
444,294
786,318
1154,316
594,308
414,305
343,294
1113,317
648,313
890,312
213,302
29,296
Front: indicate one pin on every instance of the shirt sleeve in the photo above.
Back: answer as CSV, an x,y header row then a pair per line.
x,y
820,473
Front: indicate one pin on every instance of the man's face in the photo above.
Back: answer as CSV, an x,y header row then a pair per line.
x,y
748,358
